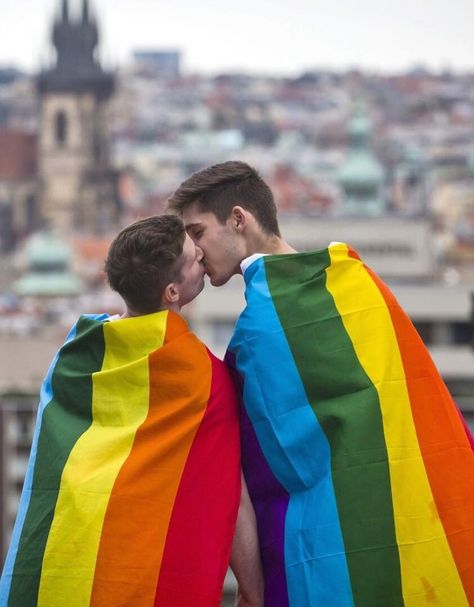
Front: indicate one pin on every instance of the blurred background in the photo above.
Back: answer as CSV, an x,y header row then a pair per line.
x,y
360,117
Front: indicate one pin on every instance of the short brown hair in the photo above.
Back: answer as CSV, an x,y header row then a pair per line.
x,y
144,258
220,187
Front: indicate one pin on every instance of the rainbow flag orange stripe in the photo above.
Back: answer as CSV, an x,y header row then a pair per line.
x,y
356,457
133,475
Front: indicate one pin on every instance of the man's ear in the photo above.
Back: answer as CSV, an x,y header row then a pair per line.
x,y
170,295
239,218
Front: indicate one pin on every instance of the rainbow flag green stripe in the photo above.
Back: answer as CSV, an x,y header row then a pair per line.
x,y
347,408
72,385
137,427
349,425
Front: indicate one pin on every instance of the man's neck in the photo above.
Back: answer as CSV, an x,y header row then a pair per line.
x,y
272,245
130,313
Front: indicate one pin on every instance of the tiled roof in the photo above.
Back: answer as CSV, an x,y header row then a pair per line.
x,y
17,155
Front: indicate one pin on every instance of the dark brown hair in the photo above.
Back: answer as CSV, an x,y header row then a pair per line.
x,y
219,188
143,259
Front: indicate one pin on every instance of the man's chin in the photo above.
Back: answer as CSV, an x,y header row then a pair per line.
x,y
195,294
199,289
218,281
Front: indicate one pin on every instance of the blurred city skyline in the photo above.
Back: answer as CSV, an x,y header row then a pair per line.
x,y
268,37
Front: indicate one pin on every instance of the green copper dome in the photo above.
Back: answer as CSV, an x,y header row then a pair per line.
x,y
53,285
48,259
360,128
361,176
46,249
361,168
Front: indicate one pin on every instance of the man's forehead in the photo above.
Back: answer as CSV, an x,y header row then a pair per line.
x,y
190,214
194,217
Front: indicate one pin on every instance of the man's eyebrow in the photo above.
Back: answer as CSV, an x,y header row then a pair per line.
x,y
188,226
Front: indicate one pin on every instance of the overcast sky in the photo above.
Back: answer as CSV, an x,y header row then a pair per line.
x,y
275,36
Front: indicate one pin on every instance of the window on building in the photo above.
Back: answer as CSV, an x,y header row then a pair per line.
x,y
469,418
61,127
97,146
462,390
462,333
31,218
7,232
426,331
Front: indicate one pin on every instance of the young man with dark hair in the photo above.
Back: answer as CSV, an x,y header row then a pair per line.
x,y
356,458
134,485
222,204
154,265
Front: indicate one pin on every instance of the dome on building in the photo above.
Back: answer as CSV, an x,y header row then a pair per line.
x,y
360,128
48,261
46,249
361,176
361,169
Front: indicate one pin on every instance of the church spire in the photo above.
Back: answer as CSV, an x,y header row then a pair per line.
x,y
85,11
65,11
76,66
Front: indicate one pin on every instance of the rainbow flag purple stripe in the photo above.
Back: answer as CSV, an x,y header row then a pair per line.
x,y
356,457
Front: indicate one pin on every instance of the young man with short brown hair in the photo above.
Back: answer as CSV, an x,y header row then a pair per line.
x,y
346,422
134,482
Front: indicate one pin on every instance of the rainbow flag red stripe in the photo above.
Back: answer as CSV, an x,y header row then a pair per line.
x,y
133,483
356,457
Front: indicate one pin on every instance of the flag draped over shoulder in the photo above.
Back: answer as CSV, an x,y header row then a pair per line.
x,y
133,483
356,457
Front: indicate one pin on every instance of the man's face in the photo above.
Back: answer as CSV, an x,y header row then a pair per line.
x,y
191,281
223,250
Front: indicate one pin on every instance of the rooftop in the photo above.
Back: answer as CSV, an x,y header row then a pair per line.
x,y
18,155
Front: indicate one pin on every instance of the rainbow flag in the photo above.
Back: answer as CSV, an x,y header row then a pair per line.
x,y
133,484
356,458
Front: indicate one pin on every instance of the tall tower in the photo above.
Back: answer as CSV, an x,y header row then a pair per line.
x,y
77,184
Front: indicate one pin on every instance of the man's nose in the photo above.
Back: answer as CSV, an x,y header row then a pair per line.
x,y
199,253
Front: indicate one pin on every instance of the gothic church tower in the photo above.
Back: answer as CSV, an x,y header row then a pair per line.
x,y
77,185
